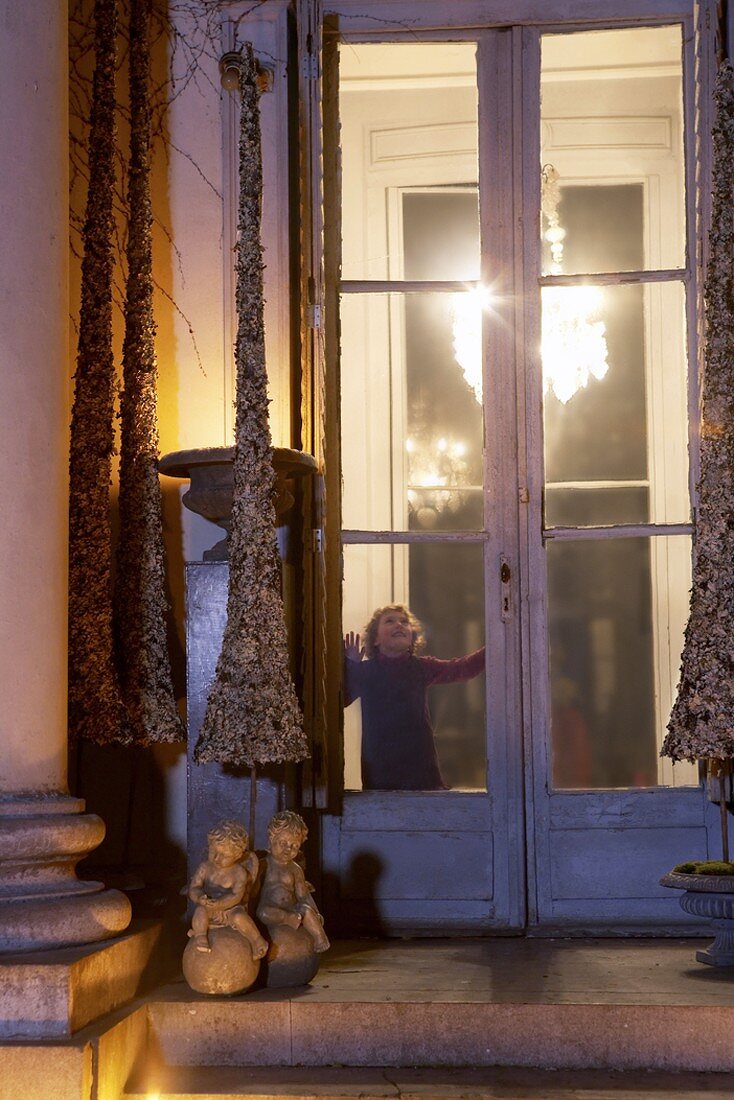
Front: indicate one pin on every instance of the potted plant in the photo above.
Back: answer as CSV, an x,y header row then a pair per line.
x,y
701,725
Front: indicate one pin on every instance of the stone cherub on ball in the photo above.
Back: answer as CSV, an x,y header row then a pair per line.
x,y
221,886
285,896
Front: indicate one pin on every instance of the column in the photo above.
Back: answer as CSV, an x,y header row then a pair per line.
x,y
43,831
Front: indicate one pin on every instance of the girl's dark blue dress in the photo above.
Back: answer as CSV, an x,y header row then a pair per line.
x,y
398,748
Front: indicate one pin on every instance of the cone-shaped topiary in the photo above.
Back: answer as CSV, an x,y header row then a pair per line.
x,y
96,712
702,722
253,716
140,597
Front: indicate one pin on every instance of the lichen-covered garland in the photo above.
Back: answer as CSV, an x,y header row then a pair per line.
x,y
140,598
96,712
253,716
702,721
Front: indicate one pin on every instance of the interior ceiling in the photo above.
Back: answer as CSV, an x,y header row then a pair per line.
x,y
651,51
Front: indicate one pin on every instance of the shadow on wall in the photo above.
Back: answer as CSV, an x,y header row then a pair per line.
x,y
351,907
131,790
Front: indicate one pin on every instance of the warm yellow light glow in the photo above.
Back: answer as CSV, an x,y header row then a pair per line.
x,y
573,339
573,343
466,314
437,471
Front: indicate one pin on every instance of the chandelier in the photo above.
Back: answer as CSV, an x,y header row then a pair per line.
x,y
573,338
437,477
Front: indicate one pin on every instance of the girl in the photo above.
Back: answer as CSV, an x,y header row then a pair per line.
x,y
398,749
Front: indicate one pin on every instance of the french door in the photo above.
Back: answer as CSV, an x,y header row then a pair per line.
x,y
517,311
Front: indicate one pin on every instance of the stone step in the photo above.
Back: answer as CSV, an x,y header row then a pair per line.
x,y
498,1083
263,1029
443,1007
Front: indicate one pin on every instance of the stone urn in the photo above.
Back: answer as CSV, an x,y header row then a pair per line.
x,y
712,897
211,472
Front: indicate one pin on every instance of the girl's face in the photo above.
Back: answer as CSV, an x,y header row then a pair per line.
x,y
394,634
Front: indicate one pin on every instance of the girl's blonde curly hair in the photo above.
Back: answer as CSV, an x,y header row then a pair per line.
x,y
369,633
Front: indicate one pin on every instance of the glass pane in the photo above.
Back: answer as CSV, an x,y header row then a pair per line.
x,y
441,234
615,405
617,609
408,115
612,176
411,412
391,741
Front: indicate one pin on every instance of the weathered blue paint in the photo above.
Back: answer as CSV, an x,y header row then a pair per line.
x,y
214,792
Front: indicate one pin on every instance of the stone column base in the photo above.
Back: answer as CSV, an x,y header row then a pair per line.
x,y
43,905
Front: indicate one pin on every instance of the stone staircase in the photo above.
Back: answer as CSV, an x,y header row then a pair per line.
x,y
494,1018
538,1019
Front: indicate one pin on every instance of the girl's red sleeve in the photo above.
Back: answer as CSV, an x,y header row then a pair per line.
x,y
454,671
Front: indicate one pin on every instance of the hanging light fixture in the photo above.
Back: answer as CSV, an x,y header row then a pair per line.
x,y
573,338
437,477
466,323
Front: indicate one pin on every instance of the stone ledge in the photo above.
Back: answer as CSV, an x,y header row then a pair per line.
x,y
295,1030
267,1083
52,994
96,1062
54,1072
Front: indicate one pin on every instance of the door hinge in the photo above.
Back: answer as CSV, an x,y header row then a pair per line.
x,y
314,316
310,67
317,540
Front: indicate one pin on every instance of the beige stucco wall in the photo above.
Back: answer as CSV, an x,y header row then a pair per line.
x,y
33,397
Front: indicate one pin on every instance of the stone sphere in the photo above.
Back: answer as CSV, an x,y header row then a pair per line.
x,y
228,968
291,959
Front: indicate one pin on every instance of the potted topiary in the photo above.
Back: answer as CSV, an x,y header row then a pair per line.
x,y
701,725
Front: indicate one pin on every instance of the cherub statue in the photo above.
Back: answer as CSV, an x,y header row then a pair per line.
x,y
221,886
285,896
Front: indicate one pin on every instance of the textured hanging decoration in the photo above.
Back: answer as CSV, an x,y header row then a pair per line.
x,y
95,707
702,722
253,716
140,599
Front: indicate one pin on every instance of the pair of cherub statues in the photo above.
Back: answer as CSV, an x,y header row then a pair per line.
x,y
221,886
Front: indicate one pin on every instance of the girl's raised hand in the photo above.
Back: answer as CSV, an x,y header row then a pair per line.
x,y
352,648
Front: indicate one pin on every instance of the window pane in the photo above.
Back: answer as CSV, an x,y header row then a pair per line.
x,y
408,137
411,412
615,405
612,151
617,610
441,234
443,587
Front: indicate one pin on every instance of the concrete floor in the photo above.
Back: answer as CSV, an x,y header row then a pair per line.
x,y
521,970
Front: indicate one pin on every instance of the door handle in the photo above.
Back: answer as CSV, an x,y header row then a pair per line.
x,y
505,590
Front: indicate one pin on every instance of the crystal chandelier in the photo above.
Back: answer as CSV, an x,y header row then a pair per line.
x,y
573,339
437,477
466,323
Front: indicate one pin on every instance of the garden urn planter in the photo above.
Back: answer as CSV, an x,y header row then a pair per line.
x,y
712,897
211,471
